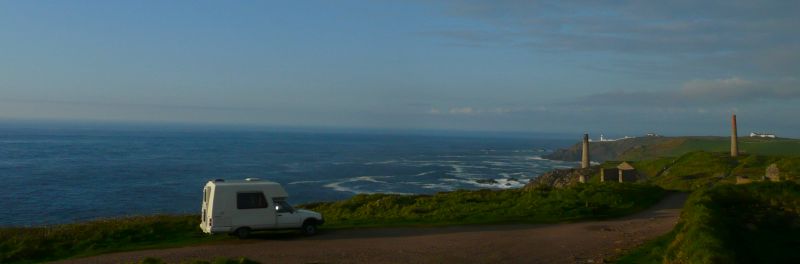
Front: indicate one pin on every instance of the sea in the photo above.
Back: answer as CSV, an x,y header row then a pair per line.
x,y
64,174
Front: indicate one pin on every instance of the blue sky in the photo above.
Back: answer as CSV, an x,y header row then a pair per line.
x,y
611,67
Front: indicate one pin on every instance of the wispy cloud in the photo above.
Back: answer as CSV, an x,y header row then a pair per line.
x,y
714,92
476,111
735,34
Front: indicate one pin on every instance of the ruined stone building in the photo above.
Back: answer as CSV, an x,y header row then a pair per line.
x,y
624,172
773,173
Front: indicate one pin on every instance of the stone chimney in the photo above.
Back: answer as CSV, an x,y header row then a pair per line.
x,y
585,153
734,138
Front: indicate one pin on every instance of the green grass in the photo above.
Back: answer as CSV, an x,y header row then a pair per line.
x,y
542,205
38,244
752,223
699,169
693,170
487,206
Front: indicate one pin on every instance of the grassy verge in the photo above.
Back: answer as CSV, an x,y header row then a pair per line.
x,y
486,206
586,201
27,245
753,223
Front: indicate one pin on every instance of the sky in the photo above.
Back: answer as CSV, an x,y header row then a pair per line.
x,y
614,67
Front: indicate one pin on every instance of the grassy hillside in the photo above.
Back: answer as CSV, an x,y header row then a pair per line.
x,y
753,223
698,169
28,245
645,148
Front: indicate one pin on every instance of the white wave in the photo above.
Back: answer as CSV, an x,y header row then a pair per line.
x,y
498,163
512,175
535,158
457,168
460,172
337,186
304,182
382,162
438,186
369,178
425,173
499,183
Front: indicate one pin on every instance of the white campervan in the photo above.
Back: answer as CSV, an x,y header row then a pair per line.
x,y
241,206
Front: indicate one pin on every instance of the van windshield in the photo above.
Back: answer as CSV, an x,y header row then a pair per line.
x,y
282,206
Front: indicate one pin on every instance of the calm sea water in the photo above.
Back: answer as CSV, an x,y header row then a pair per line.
x,y
53,176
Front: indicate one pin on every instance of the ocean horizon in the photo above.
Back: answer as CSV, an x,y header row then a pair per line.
x,y
59,173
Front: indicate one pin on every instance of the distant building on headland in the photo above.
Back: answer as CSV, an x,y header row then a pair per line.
x,y
762,135
605,139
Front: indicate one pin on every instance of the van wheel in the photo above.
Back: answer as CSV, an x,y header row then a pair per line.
x,y
242,232
309,228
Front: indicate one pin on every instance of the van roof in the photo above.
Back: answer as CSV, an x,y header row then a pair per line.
x,y
243,182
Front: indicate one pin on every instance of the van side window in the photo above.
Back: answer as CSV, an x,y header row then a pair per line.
x,y
250,200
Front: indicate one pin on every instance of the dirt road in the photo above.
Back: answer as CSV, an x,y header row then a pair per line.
x,y
584,242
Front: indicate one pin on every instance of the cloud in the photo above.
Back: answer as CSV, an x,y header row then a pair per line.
x,y
736,34
727,91
476,111
738,90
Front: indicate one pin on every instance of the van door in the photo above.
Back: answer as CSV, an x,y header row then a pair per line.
x,y
285,215
204,216
252,210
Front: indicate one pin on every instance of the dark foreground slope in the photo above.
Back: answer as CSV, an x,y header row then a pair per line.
x,y
643,148
752,223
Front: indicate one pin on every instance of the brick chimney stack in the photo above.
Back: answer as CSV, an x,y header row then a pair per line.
x,y
734,138
585,153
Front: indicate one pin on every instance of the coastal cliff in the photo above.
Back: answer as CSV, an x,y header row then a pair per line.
x,y
560,178
607,150
643,148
